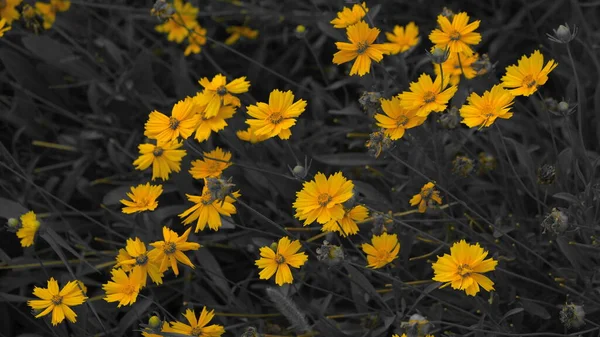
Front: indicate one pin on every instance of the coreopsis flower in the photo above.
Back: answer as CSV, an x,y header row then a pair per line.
x,y
57,301
178,25
218,93
426,197
361,48
138,259
143,198
277,261
249,135
48,10
426,96
276,117
3,27
530,73
197,327
195,40
28,228
347,225
321,199
123,288
463,268
164,158
403,38
458,36
238,32
397,119
213,164
8,10
170,250
348,17
182,122
483,110
454,67
208,209
382,250
208,125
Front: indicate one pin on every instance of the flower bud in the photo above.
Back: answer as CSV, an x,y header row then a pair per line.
x,y
563,34
154,322
439,56
13,223
274,246
563,107
450,119
546,174
299,172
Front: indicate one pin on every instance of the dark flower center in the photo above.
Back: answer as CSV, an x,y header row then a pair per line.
x,y
362,47
429,97
56,299
170,248
141,260
173,123
464,270
323,199
454,36
222,91
529,82
279,259
276,118
401,121
158,151
196,331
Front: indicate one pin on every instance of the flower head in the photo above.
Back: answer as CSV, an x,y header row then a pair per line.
x,y
48,10
28,229
528,75
483,110
143,198
164,158
208,209
8,10
213,164
456,65
3,27
218,93
347,225
383,249
138,259
178,25
123,288
397,119
403,38
197,327
361,48
181,123
277,262
169,251
348,17
426,197
458,36
195,40
463,268
207,125
58,302
249,135
426,96
321,199
276,117
238,32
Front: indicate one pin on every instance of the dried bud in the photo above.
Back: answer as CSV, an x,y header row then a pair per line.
x,y
487,163
370,102
483,65
557,222
450,119
250,332
31,18
447,12
330,254
438,55
162,10
378,142
219,188
572,316
416,326
563,34
154,323
462,166
546,174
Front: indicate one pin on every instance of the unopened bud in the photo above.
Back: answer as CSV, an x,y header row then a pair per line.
x,y
563,107
154,322
13,223
563,34
439,56
299,171
274,246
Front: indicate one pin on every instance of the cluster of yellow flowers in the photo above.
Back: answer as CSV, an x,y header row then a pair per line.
x,y
45,10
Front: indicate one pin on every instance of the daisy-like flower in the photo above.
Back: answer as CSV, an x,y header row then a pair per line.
x,y
8,10
57,301
123,288
483,110
463,268
278,116
178,24
458,36
28,228
197,327
347,225
168,252
208,125
218,93
181,123
238,32
3,27
143,198
164,158
403,38
453,68
361,48
208,209
426,96
249,135
138,259
48,10
382,250
277,262
213,164
525,77
397,119
321,199
195,40
348,17
426,197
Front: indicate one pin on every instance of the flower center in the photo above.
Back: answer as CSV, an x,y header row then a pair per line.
x,y
173,123
276,118
426,194
222,91
141,260
196,331
56,299
170,248
207,198
429,97
323,199
128,289
279,259
464,270
158,151
529,82
362,47
401,121
454,36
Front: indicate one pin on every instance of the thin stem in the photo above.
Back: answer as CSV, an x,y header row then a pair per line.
x,y
579,100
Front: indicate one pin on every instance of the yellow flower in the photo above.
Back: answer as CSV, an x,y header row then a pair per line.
x,y
197,327
240,31
457,36
208,125
427,96
483,110
403,38
361,47
383,250
169,251
164,158
347,225
278,262
148,332
213,164
58,302
138,259
195,40
426,197
8,10
123,288
397,119
143,198
524,78
208,210
218,93
453,68
463,268
278,116
321,199
48,10
348,17
249,135
178,24
3,27
182,123
28,229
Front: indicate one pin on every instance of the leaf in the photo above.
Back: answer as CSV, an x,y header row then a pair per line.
x,y
4,297
328,30
10,209
351,110
511,312
361,286
213,270
567,196
535,309
524,158
570,252
135,313
347,159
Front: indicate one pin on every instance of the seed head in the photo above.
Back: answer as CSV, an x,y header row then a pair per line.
x,y
557,222
572,316
546,174
330,254
370,102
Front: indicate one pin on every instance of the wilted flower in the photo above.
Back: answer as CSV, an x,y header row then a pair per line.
x,y
572,316
483,65
378,142
450,119
330,254
546,174
462,165
162,10
416,326
370,101
487,163
557,222
563,34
